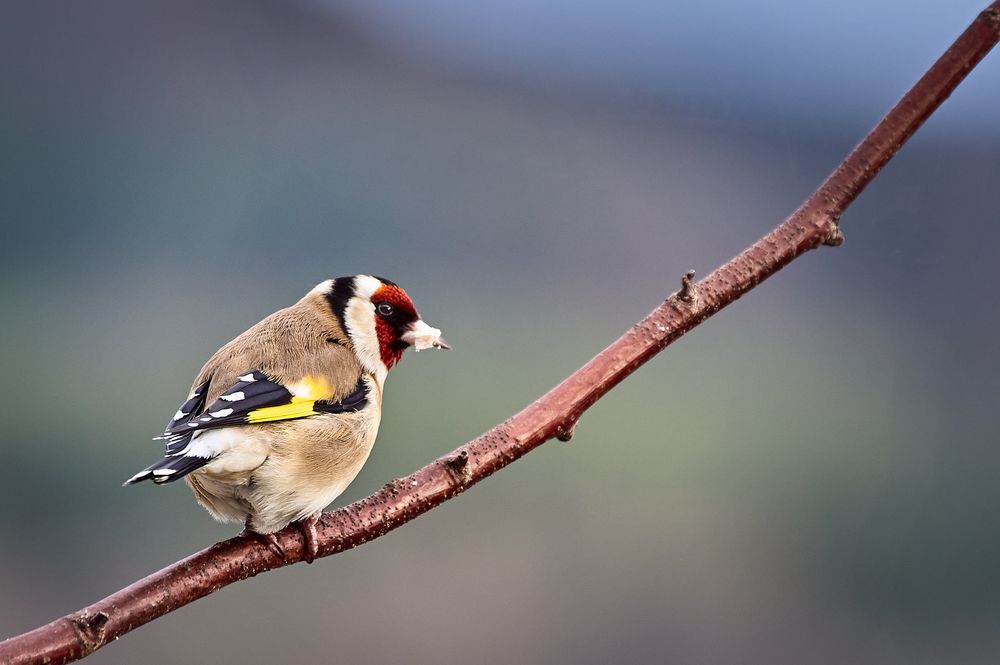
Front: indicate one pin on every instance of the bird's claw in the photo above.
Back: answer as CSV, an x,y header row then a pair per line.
x,y
310,536
269,539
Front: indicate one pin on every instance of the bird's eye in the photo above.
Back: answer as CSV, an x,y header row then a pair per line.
x,y
384,309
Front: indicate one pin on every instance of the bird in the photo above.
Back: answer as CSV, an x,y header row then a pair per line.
x,y
281,419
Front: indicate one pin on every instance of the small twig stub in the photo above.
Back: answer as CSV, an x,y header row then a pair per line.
x,y
565,432
836,237
688,292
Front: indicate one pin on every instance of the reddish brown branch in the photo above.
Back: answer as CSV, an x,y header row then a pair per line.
x,y
815,223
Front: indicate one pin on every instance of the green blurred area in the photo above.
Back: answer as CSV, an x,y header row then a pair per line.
x,y
810,476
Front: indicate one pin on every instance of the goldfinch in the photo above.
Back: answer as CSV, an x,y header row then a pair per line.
x,y
281,419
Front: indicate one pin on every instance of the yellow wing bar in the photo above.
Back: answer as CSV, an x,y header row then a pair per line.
x,y
298,408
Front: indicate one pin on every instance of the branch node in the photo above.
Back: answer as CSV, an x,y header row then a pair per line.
x,y
836,237
565,432
688,292
90,630
458,465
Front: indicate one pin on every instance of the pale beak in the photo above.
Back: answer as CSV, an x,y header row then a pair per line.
x,y
422,336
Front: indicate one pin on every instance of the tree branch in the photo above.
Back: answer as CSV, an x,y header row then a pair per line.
x,y
815,223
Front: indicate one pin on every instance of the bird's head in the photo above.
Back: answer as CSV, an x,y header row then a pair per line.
x,y
379,319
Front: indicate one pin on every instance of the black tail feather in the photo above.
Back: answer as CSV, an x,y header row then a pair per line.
x,y
169,469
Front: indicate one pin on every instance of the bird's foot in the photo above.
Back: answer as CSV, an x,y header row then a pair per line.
x,y
311,537
269,539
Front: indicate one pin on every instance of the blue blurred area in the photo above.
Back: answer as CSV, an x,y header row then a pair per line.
x,y
816,66
809,476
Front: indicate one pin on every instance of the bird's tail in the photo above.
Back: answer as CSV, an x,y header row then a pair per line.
x,y
169,469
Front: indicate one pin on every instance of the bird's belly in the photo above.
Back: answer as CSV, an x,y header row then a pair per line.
x,y
222,485
299,479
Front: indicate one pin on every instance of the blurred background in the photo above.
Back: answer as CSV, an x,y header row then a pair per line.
x,y
809,477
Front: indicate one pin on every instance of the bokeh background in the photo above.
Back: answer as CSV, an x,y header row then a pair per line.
x,y
809,477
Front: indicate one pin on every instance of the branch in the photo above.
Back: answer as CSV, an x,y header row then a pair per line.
x,y
814,224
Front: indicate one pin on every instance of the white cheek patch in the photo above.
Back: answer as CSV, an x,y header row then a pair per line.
x,y
359,318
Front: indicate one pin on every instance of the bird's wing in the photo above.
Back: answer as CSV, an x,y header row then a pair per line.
x,y
192,408
255,398
250,380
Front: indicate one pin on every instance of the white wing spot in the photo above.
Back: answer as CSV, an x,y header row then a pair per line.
x,y
233,397
247,378
180,414
205,419
221,413
164,472
192,424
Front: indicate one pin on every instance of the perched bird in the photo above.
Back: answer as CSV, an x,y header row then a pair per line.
x,y
281,419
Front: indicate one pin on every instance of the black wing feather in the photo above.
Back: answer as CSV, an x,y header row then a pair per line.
x,y
192,408
234,405
353,402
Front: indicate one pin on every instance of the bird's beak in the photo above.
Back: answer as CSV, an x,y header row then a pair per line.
x,y
422,336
